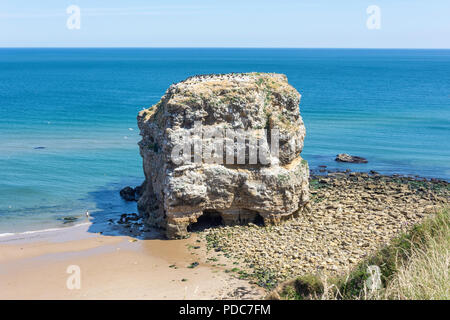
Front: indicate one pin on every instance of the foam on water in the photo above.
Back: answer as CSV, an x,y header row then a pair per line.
x,y
10,234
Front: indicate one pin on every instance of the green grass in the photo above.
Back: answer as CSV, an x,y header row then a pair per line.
x,y
414,266
425,274
302,288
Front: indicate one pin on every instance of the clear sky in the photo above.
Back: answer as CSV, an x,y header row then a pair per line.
x,y
227,23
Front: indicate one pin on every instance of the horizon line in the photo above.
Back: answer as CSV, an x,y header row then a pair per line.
x,y
194,47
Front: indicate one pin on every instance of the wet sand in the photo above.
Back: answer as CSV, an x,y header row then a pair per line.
x,y
111,267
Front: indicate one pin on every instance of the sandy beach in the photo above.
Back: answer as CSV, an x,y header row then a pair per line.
x,y
34,266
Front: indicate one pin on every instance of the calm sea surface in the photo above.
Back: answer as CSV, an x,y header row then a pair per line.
x,y
68,129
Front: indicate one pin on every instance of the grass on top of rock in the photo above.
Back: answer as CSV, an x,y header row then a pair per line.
x,y
414,266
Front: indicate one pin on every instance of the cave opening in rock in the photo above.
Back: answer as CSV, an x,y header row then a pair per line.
x,y
213,218
209,218
259,221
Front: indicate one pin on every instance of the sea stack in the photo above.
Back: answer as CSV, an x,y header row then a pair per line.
x,y
225,145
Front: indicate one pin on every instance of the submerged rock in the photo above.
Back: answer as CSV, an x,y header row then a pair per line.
x,y
344,157
127,217
198,148
68,219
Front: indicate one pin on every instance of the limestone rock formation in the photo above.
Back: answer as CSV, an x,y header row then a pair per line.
x,y
219,121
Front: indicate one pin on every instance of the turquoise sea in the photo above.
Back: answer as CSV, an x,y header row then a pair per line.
x,y
68,134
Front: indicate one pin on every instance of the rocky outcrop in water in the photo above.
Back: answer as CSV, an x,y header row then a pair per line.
x,y
343,157
225,145
131,194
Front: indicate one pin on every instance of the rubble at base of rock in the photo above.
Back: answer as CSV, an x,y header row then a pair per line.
x,y
352,215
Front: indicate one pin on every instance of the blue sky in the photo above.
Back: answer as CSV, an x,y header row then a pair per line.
x,y
230,23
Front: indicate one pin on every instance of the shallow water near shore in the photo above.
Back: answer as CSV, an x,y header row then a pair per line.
x,y
68,134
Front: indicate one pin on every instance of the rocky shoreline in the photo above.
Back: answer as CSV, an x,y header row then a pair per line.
x,y
350,216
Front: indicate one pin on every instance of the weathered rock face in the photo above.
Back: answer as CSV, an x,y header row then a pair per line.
x,y
221,176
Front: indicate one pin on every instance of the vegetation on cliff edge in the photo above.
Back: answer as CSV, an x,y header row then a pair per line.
x,y
414,266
